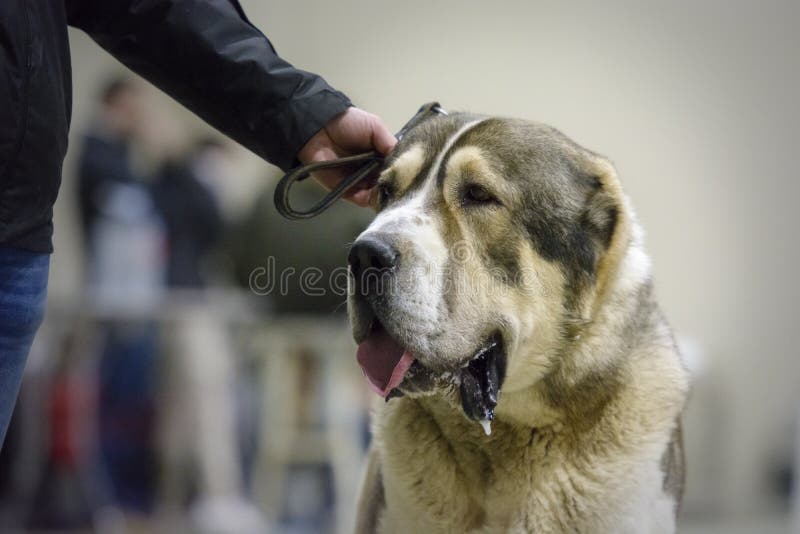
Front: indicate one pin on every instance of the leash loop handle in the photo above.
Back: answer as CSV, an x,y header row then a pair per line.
x,y
370,162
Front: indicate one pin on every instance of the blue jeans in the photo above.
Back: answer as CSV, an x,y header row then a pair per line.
x,y
23,288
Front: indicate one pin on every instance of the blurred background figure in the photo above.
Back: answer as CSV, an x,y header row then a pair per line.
x,y
124,233
186,192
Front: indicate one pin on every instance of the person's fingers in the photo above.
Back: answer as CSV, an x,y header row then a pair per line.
x,y
360,197
324,153
382,139
318,148
359,194
352,131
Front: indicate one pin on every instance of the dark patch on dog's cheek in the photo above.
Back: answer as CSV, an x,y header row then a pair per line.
x,y
561,241
575,241
568,245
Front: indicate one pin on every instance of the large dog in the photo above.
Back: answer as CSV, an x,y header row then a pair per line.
x,y
503,304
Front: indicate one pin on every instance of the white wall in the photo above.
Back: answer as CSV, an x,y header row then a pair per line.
x,y
695,102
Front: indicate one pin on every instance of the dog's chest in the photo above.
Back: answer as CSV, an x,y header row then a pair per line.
x,y
432,482
510,481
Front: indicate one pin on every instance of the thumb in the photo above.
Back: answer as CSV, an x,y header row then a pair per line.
x,y
382,139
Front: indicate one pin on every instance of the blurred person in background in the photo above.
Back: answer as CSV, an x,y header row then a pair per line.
x,y
206,55
105,161
198,416
123,230
186,192
124,233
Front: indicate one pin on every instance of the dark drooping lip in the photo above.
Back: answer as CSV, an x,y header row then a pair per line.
x,y
478,381
481,380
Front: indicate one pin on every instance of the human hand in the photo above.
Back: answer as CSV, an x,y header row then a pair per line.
x,y
350,132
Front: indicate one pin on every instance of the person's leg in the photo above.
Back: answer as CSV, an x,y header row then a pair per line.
x,y
23,287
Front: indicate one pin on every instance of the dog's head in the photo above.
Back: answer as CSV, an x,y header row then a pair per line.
x,y
492,242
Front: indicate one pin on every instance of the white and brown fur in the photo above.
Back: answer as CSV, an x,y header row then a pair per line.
x,y
586,436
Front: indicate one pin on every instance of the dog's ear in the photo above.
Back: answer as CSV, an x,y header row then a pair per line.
x,y
599,216
605,221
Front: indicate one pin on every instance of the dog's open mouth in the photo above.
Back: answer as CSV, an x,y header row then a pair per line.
x,y
387,365
481,380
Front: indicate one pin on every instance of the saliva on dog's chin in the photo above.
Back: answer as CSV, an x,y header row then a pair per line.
x,y
485,422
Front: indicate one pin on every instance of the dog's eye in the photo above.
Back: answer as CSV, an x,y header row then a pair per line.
x,y
476,194
384,194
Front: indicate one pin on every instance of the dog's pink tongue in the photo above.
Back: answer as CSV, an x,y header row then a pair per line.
x,y
383,361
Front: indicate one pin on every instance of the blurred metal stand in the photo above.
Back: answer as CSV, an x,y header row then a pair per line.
x,y
205,334
198,416
335,436
196,413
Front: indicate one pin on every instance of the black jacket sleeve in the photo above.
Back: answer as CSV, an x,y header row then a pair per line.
x,y
207,55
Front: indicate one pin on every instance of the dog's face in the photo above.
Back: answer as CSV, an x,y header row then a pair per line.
x,y
483,259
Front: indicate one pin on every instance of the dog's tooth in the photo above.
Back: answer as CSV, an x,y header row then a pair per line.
x,y
395,393
487,426
492,381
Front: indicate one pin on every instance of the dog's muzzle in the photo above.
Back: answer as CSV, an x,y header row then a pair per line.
x,y
390,368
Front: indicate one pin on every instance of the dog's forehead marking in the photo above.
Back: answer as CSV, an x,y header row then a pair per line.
x,y
473,159
407,166
463,156
411,211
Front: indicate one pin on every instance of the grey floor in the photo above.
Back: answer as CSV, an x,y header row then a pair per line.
x,y
749,525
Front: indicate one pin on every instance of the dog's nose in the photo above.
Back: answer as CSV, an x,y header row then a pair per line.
x,y
371,254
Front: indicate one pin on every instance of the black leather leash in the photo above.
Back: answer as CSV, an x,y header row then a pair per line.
x,y
369,163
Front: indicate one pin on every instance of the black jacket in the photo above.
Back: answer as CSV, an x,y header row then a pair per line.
x,y
204,53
